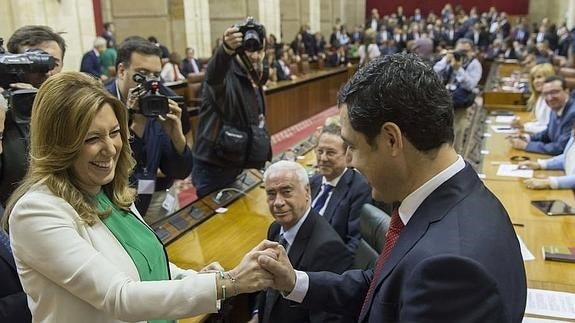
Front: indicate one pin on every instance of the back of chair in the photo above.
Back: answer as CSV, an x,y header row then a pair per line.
x,y
373,225
365,256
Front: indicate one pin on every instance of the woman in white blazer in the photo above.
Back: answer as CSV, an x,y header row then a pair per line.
x,y
83,252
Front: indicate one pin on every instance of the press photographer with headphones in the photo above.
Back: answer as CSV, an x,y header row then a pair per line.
x,y
231,132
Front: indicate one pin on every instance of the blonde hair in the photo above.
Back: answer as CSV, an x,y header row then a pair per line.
x,y
63,111
546,70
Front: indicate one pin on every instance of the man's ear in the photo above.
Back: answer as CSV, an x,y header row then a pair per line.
x,y
391,137
121,71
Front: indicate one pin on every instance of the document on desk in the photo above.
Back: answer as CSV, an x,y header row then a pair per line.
x,y
504,119
514,171
503,128
525,253
550,303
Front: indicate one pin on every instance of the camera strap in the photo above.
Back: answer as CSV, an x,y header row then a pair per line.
x,y
260,80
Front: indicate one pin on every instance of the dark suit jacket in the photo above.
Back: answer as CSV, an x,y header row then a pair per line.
x,y
187,67
347,198
553,140
316,247
456,260
13,303
91,64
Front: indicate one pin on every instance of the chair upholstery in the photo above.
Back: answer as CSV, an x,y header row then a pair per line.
x,y
373,224
365,256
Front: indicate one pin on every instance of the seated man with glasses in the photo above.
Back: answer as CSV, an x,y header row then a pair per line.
x,y
338,192
551,141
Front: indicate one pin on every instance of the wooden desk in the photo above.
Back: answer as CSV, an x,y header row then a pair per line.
x,y
494,96
290,102
538,229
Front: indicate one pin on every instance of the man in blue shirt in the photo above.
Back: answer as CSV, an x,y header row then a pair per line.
x,y
158,144
552,140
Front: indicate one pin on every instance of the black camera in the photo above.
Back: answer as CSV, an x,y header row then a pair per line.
x,y
12,69
254,35
152,104
458,55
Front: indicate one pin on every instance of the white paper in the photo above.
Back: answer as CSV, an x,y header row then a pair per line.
x,y
537,320
550,303
503,129
169,203
525,253
514,171
221,210
504,119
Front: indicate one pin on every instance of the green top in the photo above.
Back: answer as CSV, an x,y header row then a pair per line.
x,y
107,60
138,240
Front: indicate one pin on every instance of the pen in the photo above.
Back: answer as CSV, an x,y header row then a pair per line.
x,y
518,224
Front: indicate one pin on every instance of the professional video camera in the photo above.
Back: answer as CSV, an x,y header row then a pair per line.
x,y
152,104
12,69
253,33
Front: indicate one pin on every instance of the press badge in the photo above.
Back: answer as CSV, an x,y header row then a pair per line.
x,y
146,184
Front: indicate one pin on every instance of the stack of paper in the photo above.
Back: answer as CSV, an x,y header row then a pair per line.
x,y
514,171
550,303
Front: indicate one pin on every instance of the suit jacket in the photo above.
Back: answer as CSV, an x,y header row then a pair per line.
x,y
456,260
347,198
91,64
187,67
75,272
552,140
316,247
13,304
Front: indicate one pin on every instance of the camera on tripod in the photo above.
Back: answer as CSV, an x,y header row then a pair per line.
x,y
253,33
12,68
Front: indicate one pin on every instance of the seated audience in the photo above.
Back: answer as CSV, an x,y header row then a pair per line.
x,y
171,70
282,66
310,242
83,252
338,192
190,64
553,139
536,102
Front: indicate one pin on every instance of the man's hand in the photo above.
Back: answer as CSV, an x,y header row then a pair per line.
x,y
232,40
284,277
172,124
518,141
21,86
249,275
537,183
517,124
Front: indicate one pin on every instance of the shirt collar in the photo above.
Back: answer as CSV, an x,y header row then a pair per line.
x,y
291,233
334,181
410,204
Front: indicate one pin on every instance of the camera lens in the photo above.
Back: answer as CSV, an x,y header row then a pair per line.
x,y
252,41
139,78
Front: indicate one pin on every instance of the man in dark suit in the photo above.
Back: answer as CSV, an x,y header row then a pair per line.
x,y
91,60
190,65
338,192
13,304
309,240
451,254
554,138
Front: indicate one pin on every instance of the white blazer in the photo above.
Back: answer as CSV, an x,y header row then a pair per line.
x,y
73,272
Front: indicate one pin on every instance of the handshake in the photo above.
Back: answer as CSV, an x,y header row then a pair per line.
x,y
265,266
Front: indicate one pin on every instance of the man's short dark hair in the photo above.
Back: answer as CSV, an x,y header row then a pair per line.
x,y
554,78
333,129
402,89
107,25
135,44
32,36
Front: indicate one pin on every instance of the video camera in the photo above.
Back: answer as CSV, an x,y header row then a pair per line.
x,y
12,68
152,104
253,33
458,55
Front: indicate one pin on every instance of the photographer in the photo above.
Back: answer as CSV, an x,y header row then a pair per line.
x,y
231,131
461,73
15,136
158,142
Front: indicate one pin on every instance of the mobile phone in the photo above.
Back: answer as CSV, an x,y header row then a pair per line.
x,y
554,207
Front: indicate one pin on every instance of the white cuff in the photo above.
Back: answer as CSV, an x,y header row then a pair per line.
x,y
542,163
300,289
553,183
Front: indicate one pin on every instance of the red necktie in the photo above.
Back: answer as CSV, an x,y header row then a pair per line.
x,y
395,227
